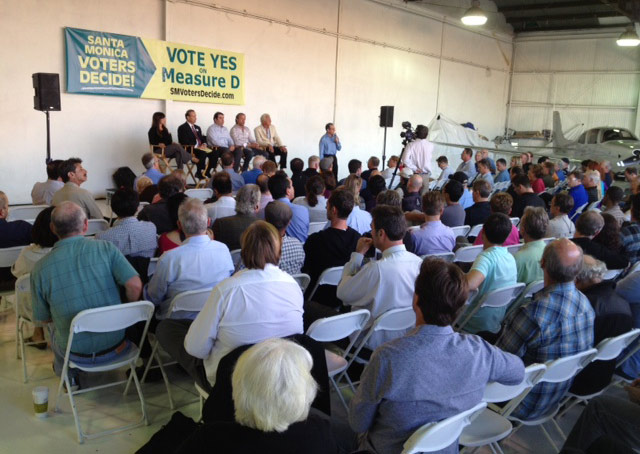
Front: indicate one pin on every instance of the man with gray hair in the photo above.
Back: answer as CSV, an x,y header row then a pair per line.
x,y
152,165
558,322
197,264
588,226
314,167
15,233
228,230
250,176
279,215
80,273
268,138
533,226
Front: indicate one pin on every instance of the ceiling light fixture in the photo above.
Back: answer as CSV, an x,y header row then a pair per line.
x,y
629,38
475,15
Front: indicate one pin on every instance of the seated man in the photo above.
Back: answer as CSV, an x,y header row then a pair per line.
x,y
268,138
80,273
629,289
533,226
279,215
225,204
73,175
443,163
560,226
14,233
227,166
228,230
502,202
245,143
372,164
466,200
630,233
577,191
589,225
314,167
467,165
392,163
413,380
355,168
591,182
484,172
158,212
525,196
611,203
131,236
265,196
42,193
298,178
493,269
328,248
282,190
558,322
433,237
481,209
412,201
385,284
219,140
198,263
503,172
251,176
189,133
152,165
453,214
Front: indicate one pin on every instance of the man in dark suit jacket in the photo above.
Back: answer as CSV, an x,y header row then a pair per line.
x,y
229,230
189,133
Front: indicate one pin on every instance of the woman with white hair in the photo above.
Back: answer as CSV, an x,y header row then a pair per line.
x,y
272,393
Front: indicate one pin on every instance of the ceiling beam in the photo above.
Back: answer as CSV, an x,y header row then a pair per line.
x,y
561,17
557,27
551,6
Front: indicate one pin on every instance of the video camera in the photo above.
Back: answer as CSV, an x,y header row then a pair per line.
x,y
409,134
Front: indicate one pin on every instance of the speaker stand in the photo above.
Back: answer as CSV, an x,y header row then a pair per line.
x,y
384,148
48,160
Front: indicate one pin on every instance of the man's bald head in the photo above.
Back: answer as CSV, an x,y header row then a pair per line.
x,y
415,183
68,219
561,261
4,205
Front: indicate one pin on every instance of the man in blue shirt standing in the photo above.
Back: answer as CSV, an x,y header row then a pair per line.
x,y
577,191
330,145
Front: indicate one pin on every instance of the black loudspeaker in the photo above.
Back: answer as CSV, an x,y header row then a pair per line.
x,y
47,92
386,116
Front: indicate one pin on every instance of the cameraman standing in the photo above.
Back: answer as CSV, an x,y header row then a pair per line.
x,y
417,155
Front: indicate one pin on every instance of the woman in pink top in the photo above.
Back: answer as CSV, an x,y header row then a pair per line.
x,y
535,177
502,203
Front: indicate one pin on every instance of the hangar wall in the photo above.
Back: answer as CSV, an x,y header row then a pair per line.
x,y
587,78
306,63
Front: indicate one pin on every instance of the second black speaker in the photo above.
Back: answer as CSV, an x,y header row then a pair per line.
x,y
386,116
47,91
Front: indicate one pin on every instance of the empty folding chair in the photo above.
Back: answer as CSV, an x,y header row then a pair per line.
x,y
202,193
303,281
316,226
330,276
103,320
467,254
527,293
436,436
334,328
501,297
25,213
461,230
447,256
95,226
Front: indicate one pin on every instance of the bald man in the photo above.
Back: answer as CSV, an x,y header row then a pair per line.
x,y
413,200
558,322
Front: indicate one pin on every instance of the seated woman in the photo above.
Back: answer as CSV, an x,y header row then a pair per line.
x,y
43,241
315,200
267,421
535,177
160,138
254,304
174,238
359,219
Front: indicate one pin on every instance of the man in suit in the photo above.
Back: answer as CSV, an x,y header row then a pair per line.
x,y
189,133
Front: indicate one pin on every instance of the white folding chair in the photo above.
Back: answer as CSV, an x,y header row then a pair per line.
x,y
25,213
303,281
515,248
548,240
202,193
9,255
202,397
446,256
103,320
475,231
153,263
330,276
413,228
611,275
22,297
593,205
515,221
491,425
467,254
527,293
96,225
558,371
236,258
316,226
501,297
461,230
578,212
436,436
191,301
334,328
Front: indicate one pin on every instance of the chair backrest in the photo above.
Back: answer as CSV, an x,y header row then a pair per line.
x,y
611,274
316,226
501,297
611,347
515,221
562,369
475,230
514,248
497,392
330,276
395,320
467,254
111,318
236,258
447,256
23,293
578,211
9,255
527,293
338,327
190,301
436,436
153,263
303,281
461,230
548,240
25,213
413,227
96,225
202,193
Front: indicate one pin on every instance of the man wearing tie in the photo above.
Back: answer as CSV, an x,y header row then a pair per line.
x,y
189,133
330,145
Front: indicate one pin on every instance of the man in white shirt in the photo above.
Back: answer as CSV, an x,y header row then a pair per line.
x,y
244,141
560,226
42,193
417,154
197,264
268,138
225,205
385,284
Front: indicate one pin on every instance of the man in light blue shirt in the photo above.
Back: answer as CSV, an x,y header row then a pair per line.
x,y
484,171
433,237
466,200
493,269
227,166
467,165
197,264
251,176
503,172
281,189
220,141
330,145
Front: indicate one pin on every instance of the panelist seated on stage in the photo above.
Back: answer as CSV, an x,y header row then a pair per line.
x,y
160,138
73,175
189,133
267,137
219,140
244,141
42,193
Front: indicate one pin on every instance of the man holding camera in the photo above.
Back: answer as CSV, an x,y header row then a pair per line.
x,y
417,154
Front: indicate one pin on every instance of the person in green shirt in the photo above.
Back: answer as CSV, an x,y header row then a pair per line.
x,y
533,226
